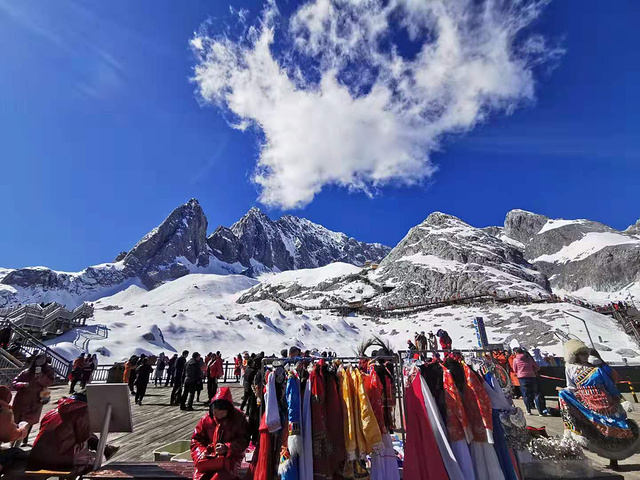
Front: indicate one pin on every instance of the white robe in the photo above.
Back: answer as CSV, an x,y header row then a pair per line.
x,y
306,458
485,461
384,465
440,433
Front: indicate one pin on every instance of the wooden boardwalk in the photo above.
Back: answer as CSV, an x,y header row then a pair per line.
x,y
155,423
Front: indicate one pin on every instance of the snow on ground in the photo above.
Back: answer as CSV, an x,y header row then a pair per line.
x,y
200,313
553,224
630,293
589,244
309,277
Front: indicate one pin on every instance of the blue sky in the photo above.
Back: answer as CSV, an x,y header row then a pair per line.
x,y
104,133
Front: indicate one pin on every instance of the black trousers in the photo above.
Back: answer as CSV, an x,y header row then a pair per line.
x,y
132,382
141,390
189,391
176,393
169,378
74,382
212,387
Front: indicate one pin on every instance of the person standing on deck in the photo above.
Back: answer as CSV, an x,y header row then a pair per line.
x,y
214,372
176,393
76,373
237,370
160,364
526,369
143,373
32,384
88,369
171,369
193,375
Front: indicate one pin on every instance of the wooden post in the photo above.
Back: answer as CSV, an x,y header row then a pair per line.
x,y
104,433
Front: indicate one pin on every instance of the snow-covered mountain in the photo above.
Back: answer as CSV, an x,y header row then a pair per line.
x,y
290,243
179,246
444,256
201,312
582,257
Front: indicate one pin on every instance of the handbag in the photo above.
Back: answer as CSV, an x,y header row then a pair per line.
x,y
211,463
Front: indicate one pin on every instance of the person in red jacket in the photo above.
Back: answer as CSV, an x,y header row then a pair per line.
x,y
65,440
214,372
224,431
32,385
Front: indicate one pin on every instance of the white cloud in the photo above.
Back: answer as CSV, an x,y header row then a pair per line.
x,y
334,101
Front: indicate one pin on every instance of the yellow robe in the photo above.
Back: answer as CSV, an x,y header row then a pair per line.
x,y
370,430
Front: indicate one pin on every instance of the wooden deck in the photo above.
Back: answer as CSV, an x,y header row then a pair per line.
x,y
155,423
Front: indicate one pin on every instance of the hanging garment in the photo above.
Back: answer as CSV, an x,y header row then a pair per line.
x,y
321,450
291,452
437,426
478,407
418,464
460,434
271,405
361,443
335,432
375,392
264,465
353,465
370,429
306,457
384,465
499,403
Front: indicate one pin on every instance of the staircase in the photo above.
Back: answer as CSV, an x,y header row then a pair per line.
x,y
10,366
27,345
50,319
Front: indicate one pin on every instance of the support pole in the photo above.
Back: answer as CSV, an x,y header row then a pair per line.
x,y
585,326
104,433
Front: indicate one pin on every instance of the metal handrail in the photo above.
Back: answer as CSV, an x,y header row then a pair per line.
x,y
30,345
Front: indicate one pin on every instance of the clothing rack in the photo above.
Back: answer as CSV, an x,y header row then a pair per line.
x,y
395,360
403,359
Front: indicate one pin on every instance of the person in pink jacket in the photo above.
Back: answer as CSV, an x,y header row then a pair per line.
x,y
526,369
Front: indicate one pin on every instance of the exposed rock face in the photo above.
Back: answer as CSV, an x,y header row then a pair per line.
x,y
576,254
289,243
522,225
179,245
633,229
166,252
443,256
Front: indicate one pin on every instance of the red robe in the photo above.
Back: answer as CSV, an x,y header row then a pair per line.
x,y
418,463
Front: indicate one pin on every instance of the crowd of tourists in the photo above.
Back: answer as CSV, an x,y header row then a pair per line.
x,y
590,404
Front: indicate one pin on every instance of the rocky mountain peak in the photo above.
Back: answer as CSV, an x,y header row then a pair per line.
x,y
633,229
165,252
521,225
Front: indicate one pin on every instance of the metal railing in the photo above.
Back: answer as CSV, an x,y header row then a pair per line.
x,y
28,345
101,373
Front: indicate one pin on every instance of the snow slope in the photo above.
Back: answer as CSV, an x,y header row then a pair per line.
x,y
200,313
591,243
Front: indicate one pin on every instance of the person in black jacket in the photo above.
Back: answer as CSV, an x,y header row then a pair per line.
x,y
193,377
176,393
171,370
143,372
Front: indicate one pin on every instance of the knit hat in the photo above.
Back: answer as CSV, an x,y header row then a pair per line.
x,y
573,348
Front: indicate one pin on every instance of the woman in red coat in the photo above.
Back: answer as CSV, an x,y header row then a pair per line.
x,y
223,432
31,384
